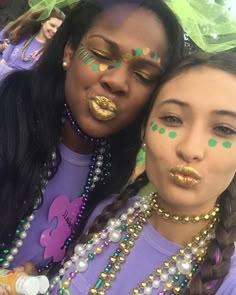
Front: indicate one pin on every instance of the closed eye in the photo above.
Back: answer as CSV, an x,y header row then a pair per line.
x,y
100,56
144,77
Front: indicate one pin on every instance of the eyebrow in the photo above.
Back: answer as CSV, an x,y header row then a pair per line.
x,y
176,102
225,113
110,42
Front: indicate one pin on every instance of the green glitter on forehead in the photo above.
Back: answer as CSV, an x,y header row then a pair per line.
x,y
154,127
227,144
212,142
162,130
172,134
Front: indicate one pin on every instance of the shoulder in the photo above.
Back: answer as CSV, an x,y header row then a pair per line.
x,y
229,285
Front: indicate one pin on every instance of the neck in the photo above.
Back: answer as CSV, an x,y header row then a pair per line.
x,y
40,37
74,141
183,230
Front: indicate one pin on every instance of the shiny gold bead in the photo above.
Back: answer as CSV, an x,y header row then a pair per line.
x,y
175,218
96,236
206,217
66,284
174,258
148,213
158,271
181,251
189,276
160,211
186,219
196,219
135,235
93,291
139,227
116,267
130,220
107,285
98,250
126,251
166,264
168,286
131,243
151,278
112,276
101,292
121,259
130,230
166,215
143,284
112,260
190,245
197,239
199,259
103,276
135,291
177,290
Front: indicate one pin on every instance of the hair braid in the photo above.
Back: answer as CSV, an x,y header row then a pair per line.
x,y
121,200
218,258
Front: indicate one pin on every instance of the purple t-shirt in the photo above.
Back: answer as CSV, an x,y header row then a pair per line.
x,y
54,220
13,54
149,252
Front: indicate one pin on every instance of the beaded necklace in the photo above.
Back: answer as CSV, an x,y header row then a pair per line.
x,y
35,54
100,159
174,275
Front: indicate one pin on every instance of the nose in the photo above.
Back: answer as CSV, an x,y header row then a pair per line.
x,y
192,147
116,80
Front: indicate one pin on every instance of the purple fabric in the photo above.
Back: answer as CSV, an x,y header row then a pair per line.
x,y
149,252
54,220
12,55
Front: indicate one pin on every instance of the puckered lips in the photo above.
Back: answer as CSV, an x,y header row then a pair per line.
x,y
185,176
102,108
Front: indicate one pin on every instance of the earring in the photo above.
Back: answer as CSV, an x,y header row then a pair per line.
x,y
144,146
64,65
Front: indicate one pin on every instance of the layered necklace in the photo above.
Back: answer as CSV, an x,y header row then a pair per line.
x,y
99,170
172,277
34,55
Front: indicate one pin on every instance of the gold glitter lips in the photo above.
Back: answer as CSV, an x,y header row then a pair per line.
x,y
185,176
102,108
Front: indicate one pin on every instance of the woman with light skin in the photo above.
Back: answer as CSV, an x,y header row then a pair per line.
x,y
72,122
180,239
24,40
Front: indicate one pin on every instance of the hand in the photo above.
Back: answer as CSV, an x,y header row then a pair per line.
x,y
27,267
3,46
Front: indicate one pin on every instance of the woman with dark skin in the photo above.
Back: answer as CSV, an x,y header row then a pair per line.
x,y
70,125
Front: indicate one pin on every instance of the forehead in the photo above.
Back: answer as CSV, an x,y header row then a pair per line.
x,y
202,86
54,20
131,27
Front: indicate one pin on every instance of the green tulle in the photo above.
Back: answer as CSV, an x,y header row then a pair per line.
x,y
210,25
46,6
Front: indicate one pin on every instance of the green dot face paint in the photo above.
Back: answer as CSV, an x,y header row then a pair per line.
x,y
154,127
162,130
227,144
95,67
212,142
172,134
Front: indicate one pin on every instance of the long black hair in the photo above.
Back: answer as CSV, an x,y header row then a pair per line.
x,y
31,111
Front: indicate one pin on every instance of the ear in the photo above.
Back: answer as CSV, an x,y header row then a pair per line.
x,y
68,54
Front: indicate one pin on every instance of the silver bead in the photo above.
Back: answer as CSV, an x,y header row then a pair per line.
x,y
10,257
115,236
14,251
156,284
183,266
99,163
81,265
89,247
148,290
67,264
164,277
62,272
19,243
6,264
23,235
95,178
